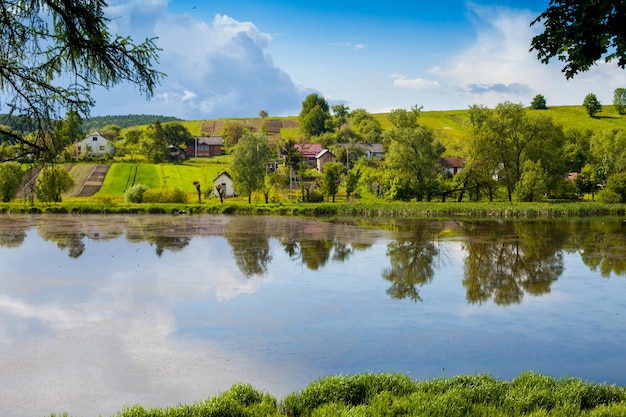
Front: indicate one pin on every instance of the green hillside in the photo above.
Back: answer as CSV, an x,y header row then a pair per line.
x,y
451,126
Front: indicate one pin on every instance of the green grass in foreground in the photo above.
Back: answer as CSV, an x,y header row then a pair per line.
x,y
373,395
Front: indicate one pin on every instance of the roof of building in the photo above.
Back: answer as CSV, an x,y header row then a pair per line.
x,y
309,150
223,173
452,161
210,140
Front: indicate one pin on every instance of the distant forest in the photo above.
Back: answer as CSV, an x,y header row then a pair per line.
x,y
98,122
93,123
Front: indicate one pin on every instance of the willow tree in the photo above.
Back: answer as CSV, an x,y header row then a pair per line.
x,y
53,53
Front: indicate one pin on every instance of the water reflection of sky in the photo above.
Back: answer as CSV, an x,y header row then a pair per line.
x,y
120,324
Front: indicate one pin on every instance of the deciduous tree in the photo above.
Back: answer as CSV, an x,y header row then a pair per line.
x,y
579,33
619,100
315,116
592,105
250,158
413,154
52,182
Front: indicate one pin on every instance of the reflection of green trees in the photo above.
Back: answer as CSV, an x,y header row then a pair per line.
x,y
12,232
602,245
412,262
506,260
249,241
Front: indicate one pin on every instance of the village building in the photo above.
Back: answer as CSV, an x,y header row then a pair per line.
x,y
225,183
94,144
452,165
205,146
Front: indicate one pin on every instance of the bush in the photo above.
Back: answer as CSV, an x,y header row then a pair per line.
x,y
135,193
316,197
10,179
165,195
52,182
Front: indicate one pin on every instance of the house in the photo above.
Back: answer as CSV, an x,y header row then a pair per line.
x,y
372,150
205,146
175,154
323,158
94,144
309,153
225,182
452,165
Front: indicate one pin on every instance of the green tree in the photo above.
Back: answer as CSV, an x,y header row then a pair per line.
x,y
352,181
315,116
413,155
532,184
154,142
232,132
619,100
538,103
592,105
10,179
111,132
52,182
177,134
502,139
341,112
250,158
581,32
54,53
66,133
366,126
332,178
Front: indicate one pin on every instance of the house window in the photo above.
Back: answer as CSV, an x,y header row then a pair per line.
x,y
95,139
101,148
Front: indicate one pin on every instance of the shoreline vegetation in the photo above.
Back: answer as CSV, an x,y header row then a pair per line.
x,y
394,394
327,209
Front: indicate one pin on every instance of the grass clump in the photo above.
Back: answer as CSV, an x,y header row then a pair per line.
x,y
393,394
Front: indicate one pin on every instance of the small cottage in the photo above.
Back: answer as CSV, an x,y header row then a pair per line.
x,y
225,183
323,158
94,145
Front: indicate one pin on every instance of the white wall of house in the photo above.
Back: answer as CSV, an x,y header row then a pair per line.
x,y
94,144
226,182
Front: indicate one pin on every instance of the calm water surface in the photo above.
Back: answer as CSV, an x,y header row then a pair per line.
x,y
99,312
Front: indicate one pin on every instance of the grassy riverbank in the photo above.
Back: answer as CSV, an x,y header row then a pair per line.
x,y
373,395
288,208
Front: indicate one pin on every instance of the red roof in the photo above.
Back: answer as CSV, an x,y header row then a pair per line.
x,y
309,150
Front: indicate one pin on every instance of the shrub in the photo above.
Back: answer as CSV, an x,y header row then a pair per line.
x,y
10,179
165,195
316,197
52,182
135,193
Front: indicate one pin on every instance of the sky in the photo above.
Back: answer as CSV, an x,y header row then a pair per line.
x,y
236,58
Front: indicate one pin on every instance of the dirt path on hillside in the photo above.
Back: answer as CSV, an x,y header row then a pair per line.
x,y
94,181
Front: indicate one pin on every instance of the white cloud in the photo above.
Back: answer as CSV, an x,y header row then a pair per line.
x,y
401,81
498,66
215,69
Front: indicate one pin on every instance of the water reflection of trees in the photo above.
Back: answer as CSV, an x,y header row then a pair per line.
x,y
601,244
505,260
411,262
249,241
12,231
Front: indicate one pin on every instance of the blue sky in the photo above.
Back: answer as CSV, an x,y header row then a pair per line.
x,y
235,58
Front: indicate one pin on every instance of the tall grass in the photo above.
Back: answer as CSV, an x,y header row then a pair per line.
x,y
392,394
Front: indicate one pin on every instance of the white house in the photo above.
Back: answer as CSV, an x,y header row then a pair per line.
x,y
225,181
94,144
